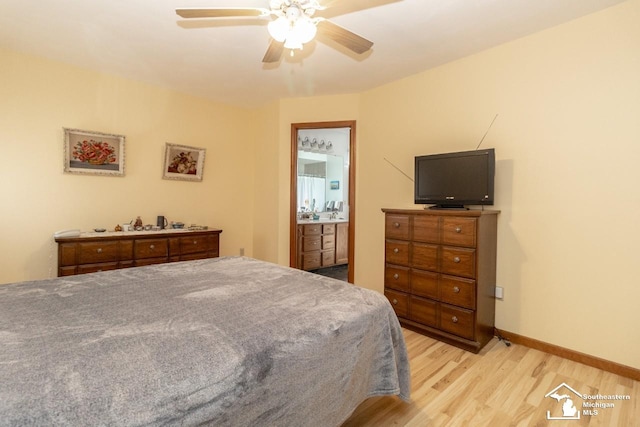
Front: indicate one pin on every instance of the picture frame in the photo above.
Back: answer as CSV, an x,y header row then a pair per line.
x,y
182,162
93,153
335,185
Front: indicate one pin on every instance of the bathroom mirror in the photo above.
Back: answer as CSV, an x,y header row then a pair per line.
x,y
323,171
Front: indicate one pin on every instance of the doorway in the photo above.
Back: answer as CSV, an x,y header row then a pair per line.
x,y
313,160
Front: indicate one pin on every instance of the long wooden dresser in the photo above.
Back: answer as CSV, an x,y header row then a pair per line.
x,y
91,252
440,273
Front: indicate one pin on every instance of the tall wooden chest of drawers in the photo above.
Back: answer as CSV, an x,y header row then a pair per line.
x,y
93,252
440,273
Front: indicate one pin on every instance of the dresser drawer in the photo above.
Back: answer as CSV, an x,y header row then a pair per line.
x,y
424,284
426,229
311,243
311,260
424,256
328,229
329,242
423,310
189,245
396,278
457,321
399,301
150,248
458,291
397,252
311,229
67,255
459,261
328,258
92,268
397,227
459,231
97,252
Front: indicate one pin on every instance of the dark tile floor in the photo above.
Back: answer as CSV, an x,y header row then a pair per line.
x,y
340,272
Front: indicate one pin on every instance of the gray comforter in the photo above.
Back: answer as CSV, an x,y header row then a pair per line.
x,y
227,341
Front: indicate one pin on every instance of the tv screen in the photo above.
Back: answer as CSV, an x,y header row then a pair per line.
x,y
453,180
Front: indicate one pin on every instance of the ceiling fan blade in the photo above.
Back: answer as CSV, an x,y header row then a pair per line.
x,y
344,37
274,52
221,12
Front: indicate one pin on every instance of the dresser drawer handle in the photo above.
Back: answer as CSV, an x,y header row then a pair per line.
x,y
456,289
396,250
395,301
99,250
195,242
454,319
396,224
396,276
456,259
152,246
458,229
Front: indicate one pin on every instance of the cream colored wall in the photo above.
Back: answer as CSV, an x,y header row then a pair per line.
x,y
567,142
40,97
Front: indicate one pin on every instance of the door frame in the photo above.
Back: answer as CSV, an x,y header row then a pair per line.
x,y
293,218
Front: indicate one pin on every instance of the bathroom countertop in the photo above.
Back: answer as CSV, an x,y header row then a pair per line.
x,y
322,221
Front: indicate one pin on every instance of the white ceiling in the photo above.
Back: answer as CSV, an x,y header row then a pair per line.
x,y
221,59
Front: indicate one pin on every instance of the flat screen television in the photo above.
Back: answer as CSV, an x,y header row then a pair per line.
x,y
453,180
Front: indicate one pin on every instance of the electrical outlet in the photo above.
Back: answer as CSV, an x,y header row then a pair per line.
x,y
499,292
241,251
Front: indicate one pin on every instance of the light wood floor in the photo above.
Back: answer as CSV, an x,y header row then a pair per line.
x,y
500,386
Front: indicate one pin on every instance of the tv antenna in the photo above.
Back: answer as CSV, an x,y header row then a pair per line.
x,y
485,134
399,170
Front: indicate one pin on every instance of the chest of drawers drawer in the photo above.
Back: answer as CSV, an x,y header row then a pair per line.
x,y
459,261
396,277
456,320
397,252
397,227
459,231
399,301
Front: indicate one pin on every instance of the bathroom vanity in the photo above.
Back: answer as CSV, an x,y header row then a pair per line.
x,y
322,243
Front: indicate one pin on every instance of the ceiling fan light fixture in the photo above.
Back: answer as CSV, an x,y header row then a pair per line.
x,y
279,29
305,30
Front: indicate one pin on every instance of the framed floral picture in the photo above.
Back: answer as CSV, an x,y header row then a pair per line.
x,y
93,153
183,162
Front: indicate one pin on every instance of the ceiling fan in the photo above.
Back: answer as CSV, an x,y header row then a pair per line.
x,y
293,24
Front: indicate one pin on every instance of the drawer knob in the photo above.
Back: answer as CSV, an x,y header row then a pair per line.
x,y
458,230
396,276
99,250
454,319
456,259
395,301
396,224
456,289
195,242
396,250
152,246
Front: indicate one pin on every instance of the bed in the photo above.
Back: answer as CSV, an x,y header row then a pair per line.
x,y
227,341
